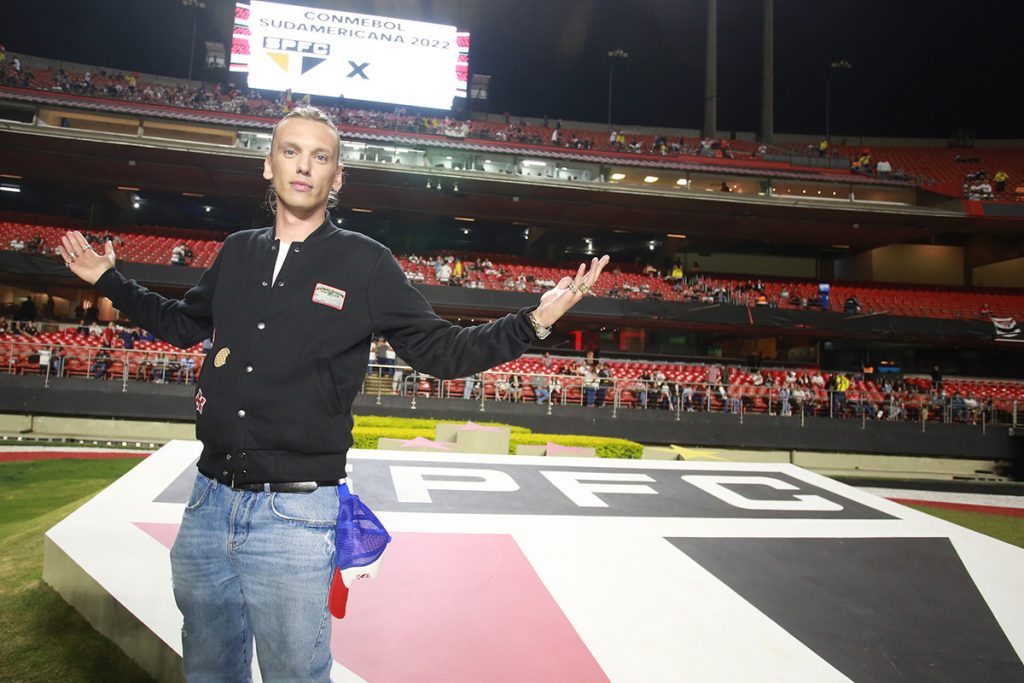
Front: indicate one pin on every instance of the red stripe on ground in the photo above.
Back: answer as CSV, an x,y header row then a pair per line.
x,y
988,509
20,456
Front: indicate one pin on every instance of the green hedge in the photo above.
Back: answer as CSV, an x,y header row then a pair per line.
x,y
366,437
369,429
606,447
422,423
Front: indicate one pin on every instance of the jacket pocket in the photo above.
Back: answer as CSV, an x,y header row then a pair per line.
x,y
328,387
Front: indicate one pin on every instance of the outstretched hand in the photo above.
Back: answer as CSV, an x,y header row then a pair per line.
x,y
82,259
555,302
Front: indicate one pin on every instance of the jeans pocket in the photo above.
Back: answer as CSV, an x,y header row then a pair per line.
x,y
318,509
200,492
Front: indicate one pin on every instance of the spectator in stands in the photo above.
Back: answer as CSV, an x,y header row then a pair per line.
x,y
501,388
17,244
677,276
45,358
985,313
883,169
161,368
515,388
1000,179
591,381
444,273
605,384
540,383
840,385
144,371
27,310
713,376
101,364
959,407
936,378
59,361
187,368
642,387
108,333
468,383
851,305
822,147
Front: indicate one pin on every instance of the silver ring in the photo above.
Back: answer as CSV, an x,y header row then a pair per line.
x,y
74,254
584,287
572,288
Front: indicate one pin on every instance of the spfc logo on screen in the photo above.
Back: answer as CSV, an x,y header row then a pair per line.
x,y
282,50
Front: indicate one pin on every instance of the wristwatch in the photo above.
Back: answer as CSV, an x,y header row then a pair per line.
x,y
538,329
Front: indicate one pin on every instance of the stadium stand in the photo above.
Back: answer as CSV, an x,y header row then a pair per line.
x,y
505,272
635,384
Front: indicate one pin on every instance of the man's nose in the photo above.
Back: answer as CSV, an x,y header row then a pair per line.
x,y
305,163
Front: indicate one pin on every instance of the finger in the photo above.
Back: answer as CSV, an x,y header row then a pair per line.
x,y
69,246
64,255
80,240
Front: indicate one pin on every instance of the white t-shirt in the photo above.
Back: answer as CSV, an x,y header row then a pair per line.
x,y
282,254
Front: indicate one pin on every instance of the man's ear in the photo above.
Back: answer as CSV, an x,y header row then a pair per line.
x,y
338,178
268,172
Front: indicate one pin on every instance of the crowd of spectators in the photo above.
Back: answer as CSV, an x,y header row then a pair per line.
x,y
112,351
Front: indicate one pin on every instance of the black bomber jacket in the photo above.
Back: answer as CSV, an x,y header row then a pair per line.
x,y
274,399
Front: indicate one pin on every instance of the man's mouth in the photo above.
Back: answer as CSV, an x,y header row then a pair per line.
x,y
301,187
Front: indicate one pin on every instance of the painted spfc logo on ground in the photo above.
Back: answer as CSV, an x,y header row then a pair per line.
x,y
540,569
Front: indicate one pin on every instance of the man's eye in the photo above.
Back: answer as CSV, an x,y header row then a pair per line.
x,y
289,152
322,158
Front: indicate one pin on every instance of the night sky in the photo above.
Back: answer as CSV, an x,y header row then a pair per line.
x,y
920,68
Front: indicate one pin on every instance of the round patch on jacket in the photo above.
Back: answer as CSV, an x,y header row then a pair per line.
x,y
222,357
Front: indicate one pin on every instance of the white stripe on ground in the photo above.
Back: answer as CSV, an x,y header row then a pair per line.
x,y
75,449
949,497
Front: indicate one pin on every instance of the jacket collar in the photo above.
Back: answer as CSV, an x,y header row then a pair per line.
x,y
326,230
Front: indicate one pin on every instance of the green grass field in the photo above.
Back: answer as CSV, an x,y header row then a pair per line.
x,y
42,639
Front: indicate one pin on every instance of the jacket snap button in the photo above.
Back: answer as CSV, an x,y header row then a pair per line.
x,y
260,325
248,368
241,413
280,283
264,283
227,457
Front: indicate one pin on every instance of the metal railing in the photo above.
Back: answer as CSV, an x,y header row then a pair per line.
x,y
547,390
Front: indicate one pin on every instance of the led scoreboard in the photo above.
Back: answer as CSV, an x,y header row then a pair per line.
x,y
350,55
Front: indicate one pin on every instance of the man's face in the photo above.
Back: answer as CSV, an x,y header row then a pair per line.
x,y
303,165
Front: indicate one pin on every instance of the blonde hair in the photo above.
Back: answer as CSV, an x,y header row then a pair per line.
x,y
306,114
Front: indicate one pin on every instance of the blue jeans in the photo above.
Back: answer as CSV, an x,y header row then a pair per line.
x,y
253,564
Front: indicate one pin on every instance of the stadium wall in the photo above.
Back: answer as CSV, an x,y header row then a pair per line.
x,y
907,263
1009,273
750,264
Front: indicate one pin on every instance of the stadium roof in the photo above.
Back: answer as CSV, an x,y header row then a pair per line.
x,y
920,68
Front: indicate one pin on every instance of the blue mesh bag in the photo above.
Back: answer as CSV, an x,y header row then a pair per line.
x,y
360,541
360,537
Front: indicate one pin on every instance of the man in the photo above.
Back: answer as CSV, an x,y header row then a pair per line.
x,y
293,314
540,382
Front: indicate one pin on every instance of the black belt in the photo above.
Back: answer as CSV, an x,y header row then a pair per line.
x,y
287,486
